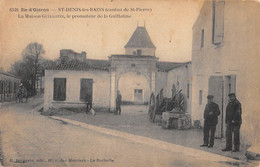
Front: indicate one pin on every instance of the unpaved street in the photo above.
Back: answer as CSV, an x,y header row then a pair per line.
x,y
30,139
134,120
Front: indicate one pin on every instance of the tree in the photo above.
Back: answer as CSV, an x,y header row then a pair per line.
x,y
28,67
32,54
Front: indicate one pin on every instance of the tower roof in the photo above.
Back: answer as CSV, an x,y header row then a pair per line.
x,y
140,39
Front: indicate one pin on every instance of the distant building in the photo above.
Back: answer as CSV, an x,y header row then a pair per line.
x,y
225,59
136,74
9,85
140,43
68,54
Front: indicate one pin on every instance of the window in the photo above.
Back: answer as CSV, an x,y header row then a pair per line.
x,y
138,90
139,52
59,89
10,86
188,90
202,39
15,87
86,88
200,97
1,87
229,88
138,95
218,21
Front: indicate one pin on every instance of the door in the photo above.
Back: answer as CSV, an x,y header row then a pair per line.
x,y
86,89
59,89
138,96
216,88
229,87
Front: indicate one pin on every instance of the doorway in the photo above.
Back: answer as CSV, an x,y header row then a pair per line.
x,y
86,90
220,87
138,96
216,88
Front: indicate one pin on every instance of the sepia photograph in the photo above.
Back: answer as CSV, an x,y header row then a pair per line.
x,y
152,83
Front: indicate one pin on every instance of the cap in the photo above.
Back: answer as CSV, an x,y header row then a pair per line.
x,y
210,96
231,94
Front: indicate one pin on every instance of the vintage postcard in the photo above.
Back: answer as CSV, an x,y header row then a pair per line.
x,y
129,83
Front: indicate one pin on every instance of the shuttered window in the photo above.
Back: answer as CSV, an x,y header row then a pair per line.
x,y
86,88
188,90
218,21
59,93
200,97
202,39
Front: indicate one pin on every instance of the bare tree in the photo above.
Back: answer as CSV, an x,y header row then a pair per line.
x,y
32,55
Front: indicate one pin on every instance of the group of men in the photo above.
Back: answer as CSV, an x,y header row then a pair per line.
x,y
233,122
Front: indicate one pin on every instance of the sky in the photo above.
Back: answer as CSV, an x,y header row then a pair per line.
x,y
168,22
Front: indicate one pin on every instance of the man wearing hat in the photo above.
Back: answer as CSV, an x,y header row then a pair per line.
x,y
118,103
211,114
233,122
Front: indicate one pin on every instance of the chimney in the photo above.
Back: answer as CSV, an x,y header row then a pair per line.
x,y
84,55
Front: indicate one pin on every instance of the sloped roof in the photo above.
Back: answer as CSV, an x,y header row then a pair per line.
x,y
89,64
132,56
104,65
167,66
9,74
140,39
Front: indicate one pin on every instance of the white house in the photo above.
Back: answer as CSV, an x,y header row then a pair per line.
x,y
225,59
136,74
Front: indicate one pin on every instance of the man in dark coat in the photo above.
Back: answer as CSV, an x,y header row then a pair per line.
x,y
118,103
233,122
211,114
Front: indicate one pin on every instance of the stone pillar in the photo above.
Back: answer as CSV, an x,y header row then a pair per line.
x,y
112,89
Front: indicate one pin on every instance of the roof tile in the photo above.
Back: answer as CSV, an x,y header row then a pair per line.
x,y
140,39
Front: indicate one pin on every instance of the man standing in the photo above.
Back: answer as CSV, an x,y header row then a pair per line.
x,y
211,114
118,103
233,122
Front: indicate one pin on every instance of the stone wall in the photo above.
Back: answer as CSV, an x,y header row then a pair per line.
x,y
68,54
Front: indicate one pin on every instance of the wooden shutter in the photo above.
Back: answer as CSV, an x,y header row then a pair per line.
x,y
215,85
218,21
202,39
188,90
59,93
86,89
200,97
